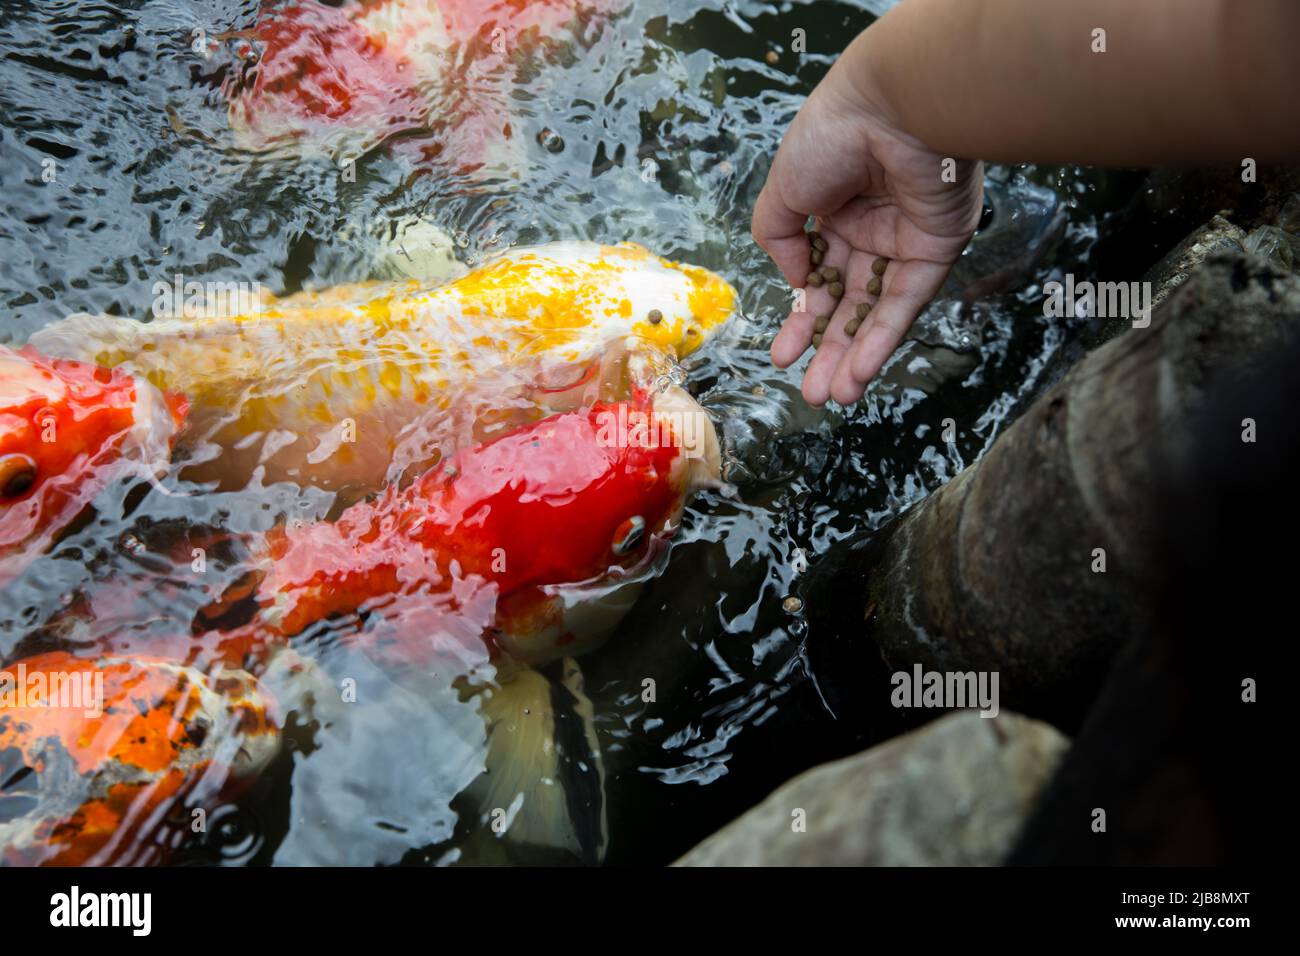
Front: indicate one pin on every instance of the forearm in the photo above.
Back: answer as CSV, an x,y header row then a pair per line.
x,y
1180,81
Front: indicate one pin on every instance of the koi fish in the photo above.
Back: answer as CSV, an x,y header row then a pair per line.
x,y
103,761
322,387
345,78
533,543
536,544
66,430
572,501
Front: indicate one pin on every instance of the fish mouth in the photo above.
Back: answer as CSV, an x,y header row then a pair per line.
x,y
700,464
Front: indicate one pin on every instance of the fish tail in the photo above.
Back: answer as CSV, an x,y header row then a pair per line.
x,y
544,783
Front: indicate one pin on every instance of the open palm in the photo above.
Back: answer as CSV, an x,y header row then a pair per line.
x,y
877,193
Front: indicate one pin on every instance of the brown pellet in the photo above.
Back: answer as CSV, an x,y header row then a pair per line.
x,y
815,279
862,311
836,289
873,287
820,323
773,58
817,341
655,317
831,274
817,241
851,327
878,267
817,257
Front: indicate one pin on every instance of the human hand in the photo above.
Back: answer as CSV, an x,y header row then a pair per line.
x,y
877,193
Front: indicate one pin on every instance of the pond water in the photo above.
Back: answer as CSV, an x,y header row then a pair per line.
x,y
655,125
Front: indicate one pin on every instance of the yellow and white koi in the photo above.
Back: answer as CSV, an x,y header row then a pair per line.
x,y
322,387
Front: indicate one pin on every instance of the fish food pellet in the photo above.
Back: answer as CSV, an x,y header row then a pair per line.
x,y
873,287
821,322
862,311
817,341
831,274
550,141
815,279
817,257
792,605
655,317
878,267
851,327
836,289
773,58
817,241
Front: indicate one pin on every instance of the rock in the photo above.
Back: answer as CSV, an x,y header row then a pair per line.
x,y
1178,752
1217,235
953,793
1035,562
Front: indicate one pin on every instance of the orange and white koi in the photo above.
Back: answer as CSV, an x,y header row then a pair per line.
x,y
345,77
113,774
66,430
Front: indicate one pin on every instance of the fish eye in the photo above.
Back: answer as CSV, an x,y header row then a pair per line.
x,y
17,475
628,535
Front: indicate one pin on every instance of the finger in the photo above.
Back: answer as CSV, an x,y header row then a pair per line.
x,y
793,339
779,231
908,288
797,331
837,336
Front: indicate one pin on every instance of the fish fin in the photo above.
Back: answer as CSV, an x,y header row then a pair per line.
x,y
413,248
544,776
102,339
586,792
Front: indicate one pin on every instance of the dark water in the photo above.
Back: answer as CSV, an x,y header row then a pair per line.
x,y
657,127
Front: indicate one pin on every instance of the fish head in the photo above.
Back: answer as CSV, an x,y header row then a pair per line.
x,y
97,751
512,538
64,426
568,301
569,515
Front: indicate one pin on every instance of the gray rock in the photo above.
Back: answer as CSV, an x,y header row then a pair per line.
x,y
953,793
1217,235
